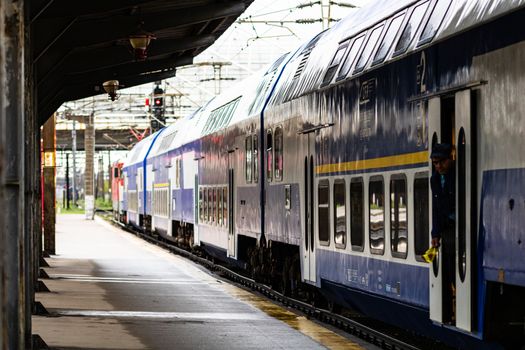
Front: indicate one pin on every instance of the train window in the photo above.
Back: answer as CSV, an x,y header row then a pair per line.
x,y
116,173
332,68
201,211
214,201
398,216
177,172
350,56
248,160
340,213
411,28
388,39
219,207
438,14
210,205
269,155
323,212
376,206
421,222
369,47
278,153
205,204
255,158
225,206
357,227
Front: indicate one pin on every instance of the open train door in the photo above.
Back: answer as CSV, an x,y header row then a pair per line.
x,y
466,213
435,280
308,236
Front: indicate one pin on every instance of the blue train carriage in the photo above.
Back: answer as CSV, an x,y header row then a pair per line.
x,y
174,180
229,218
136,183
401,77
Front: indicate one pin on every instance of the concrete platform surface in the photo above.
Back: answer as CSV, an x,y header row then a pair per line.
x,y
112,290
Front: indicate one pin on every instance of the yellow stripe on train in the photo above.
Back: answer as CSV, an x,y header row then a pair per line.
x,y
160,185
374,163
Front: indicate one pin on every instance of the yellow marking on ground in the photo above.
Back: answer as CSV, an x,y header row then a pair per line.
x,y
160,185
311,329
375,163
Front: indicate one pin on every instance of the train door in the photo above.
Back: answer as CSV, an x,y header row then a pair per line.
x,y
197,202
308,241
466,204
452,120
231,201
435,282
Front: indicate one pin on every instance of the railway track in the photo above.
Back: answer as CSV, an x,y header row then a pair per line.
x,y
361,327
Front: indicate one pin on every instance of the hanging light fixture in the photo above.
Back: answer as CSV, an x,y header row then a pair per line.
x,y
140,42
111,87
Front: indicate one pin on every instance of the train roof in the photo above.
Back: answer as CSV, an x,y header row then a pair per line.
x,y
434,20
139,152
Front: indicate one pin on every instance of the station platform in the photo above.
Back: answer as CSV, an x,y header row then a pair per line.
x,y
111,290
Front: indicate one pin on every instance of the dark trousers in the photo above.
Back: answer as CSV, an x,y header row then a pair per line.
x,y
448,254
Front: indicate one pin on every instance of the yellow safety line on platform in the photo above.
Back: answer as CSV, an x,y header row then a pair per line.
x,y
322,335
375,163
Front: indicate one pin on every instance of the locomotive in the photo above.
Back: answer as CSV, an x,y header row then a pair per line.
x,y
315,171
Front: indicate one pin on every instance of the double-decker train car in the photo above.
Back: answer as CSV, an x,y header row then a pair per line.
x,y
316,172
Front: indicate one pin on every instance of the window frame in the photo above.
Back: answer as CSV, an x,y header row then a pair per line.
x,y
324,183
334,66
340,181
342,75
248,154
375,60
269,156
422,41
398,52
380,27
397,254
358,180
376,178
278,154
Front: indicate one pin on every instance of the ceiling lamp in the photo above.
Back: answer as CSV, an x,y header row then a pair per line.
x,y
111,87
140,43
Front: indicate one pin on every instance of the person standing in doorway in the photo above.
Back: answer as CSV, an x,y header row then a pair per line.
x,y
443,185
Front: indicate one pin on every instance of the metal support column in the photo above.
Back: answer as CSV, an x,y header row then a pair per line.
x,y
12,183
89,142
49,185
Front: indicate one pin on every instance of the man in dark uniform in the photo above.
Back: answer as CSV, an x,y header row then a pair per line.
x,y
443,184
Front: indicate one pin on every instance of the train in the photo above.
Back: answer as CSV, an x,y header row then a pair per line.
x,y
314,173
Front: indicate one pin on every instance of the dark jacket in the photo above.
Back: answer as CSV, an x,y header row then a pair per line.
x,y
443,202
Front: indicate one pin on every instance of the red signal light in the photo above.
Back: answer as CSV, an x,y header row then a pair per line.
x,y
147,102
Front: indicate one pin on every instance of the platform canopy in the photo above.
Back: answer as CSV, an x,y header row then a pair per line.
x,y
78,45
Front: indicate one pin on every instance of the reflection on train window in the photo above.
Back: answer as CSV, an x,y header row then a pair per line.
x,y
201,211
398,216
323,212
278,153
210,205
421,222
434,21
376,195
388,39
411,28
255,159
219,207
225,205
350,57
369,47
340,213
214,203
205,204
332,68
357,228
248,160
269,155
